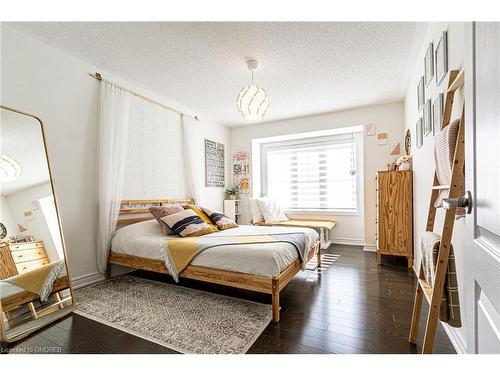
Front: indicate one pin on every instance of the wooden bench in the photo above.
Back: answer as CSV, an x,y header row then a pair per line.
x,y
322,226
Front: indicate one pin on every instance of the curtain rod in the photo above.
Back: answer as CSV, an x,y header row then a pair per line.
x,y
99,78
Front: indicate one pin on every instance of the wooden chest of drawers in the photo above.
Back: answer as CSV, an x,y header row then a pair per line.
x,y
395,214
24,257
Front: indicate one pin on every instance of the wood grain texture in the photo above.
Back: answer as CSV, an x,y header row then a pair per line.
x,y
395,214
352,306
22,298
7,265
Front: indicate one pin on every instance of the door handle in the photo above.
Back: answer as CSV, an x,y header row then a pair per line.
x,y
464,202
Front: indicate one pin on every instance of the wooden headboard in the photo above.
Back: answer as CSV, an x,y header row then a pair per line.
x,y
136,210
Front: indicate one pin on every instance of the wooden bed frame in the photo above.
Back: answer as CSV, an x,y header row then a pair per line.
x,y
22,298
134,211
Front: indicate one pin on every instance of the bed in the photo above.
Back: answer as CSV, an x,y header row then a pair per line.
x,y
262,267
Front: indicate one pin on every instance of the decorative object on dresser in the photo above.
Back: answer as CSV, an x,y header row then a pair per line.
x,y
34,284
395,215
232,209
408,142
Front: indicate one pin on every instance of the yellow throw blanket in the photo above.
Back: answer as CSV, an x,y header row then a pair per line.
x,y
179,252
39,281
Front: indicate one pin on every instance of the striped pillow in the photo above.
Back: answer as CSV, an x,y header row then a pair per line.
x,y
187,224
161,211
219,219
203,215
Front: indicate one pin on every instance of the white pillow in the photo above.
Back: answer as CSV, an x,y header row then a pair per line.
x,y
255,211
271,211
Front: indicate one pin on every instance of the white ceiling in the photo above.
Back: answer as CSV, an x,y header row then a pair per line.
x,y
306,68
21,139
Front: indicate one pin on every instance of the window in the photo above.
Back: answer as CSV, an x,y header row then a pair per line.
x,y
315,174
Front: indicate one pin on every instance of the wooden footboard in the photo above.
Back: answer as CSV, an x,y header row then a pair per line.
x,y
240,280
16,300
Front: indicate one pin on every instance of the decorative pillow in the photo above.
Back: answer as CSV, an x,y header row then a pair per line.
x,y
219,219
271,211
203,215
161,211
187,223
255,211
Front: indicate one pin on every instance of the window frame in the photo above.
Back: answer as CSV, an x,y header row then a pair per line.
x,y
357,136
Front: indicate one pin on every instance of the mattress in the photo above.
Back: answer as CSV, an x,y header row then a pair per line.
x,y
145,239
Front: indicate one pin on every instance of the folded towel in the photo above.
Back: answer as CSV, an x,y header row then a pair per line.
x,y
41,280
450,303
444,154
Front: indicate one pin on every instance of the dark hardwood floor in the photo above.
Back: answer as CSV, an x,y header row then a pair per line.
x,y
351,306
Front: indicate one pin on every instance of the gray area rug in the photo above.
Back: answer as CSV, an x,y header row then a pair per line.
x,y
182,319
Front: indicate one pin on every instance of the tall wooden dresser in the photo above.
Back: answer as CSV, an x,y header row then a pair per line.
x,y
18,258
395,214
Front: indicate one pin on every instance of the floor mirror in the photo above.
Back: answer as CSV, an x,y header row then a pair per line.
x,y
35,286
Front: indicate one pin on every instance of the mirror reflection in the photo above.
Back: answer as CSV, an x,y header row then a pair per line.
x,y
34,285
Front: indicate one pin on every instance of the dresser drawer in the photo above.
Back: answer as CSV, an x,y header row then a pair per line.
x,y
30,266
26,246
28,255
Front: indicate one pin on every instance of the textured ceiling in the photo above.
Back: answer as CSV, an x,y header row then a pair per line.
x,y
21,139
306,68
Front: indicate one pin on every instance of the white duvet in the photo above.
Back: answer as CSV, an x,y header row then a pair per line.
x,y
145,239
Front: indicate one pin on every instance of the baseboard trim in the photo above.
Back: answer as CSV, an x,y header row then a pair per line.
x,y
347,241
88,279
455,338
372,248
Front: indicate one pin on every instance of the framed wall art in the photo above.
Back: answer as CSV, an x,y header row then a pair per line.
x,y
419,131
429,64
214,164
441,58
421,93
437,114
427,118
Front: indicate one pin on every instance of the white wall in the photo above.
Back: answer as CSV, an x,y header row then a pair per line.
x,y
6,217
54,85
389,118
423,158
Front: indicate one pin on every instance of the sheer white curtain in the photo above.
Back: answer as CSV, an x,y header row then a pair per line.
x,y
190,143
113,126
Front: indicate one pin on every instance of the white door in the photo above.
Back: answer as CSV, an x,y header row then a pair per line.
x,y
482,139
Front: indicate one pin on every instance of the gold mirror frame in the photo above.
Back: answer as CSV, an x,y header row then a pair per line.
x,y
3,337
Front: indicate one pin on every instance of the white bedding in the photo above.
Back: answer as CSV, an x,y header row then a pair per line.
x,y
145,239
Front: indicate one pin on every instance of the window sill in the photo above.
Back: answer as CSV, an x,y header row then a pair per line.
x,y
301,211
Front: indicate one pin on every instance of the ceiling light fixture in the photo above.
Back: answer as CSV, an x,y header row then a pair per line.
x,y
252,101
10,169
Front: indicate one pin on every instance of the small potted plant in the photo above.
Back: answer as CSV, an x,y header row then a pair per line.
x,y
232,192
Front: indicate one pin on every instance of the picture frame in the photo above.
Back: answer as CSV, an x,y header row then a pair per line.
x,y
441,57
427,117
429,64
437,113
419,139
214,164
421,93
